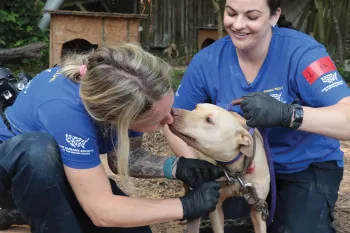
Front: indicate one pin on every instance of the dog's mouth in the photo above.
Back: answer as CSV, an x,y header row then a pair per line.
x,y
188,139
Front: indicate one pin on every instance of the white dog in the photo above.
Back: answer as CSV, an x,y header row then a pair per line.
x,y
219,136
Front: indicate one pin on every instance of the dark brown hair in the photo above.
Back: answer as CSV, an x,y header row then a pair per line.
x,y
282,21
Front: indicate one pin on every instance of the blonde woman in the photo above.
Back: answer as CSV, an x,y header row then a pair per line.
x,y
50,169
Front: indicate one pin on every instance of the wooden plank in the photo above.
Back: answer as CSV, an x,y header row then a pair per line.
x,y
95,14
161,25
169,21
173,22
191,27
178,23
182,24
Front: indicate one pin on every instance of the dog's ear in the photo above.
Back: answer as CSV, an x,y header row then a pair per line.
x,y
245,141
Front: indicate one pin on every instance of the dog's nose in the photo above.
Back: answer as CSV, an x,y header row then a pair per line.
x,y
174,112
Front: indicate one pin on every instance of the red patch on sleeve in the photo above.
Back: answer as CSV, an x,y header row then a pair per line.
x,y
318,68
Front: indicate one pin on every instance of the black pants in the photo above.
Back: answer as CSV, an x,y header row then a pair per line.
x,y
32,179
305,201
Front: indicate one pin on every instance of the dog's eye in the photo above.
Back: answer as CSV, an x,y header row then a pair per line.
x,y
209,120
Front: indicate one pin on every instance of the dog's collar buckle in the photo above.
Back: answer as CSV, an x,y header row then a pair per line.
x,y
233,177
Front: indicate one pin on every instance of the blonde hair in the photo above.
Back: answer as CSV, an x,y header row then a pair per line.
x,y
121,84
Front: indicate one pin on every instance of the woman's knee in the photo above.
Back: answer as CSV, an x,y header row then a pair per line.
x,y
36,153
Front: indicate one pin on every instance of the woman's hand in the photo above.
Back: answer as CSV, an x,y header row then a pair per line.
x,y
194,172
262,110
201,200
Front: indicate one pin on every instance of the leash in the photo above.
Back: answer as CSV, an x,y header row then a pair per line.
x,y
269,161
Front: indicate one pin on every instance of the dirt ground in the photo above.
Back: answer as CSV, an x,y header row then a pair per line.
x,y
162,188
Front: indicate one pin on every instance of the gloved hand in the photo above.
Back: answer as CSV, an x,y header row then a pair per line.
x,y
194,172
262,110
201,200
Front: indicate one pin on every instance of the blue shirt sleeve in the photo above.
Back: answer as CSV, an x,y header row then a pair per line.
x,y
193,88
318,82
74,132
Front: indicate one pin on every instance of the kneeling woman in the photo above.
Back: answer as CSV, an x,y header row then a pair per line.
x,y
66,117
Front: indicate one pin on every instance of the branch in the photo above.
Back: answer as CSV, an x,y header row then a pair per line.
x,y
28,51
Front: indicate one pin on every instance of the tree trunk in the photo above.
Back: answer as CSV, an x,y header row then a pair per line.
x,y
28,51
338,32
321,28
218,17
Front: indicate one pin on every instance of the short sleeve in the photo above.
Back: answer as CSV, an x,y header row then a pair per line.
x,y
192,89
74,132
318,81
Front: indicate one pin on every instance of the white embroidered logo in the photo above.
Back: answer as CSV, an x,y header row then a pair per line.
x,y
177,92
76,142
332,81
277,96
330,78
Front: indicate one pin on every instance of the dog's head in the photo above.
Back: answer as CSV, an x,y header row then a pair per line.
x,y
213,131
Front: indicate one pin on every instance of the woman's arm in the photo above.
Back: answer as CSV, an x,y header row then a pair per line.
x,y
262,110
142,164
332,121
92,189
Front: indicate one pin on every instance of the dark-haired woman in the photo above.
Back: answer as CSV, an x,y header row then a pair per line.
x,y
270,67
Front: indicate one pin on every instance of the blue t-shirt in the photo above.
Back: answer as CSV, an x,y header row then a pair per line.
x,y
296,67
51,103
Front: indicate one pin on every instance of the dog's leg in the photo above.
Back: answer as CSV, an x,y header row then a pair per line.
x,y
258,223
217,219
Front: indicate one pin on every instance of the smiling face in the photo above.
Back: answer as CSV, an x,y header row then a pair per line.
x,y
212,130
248,22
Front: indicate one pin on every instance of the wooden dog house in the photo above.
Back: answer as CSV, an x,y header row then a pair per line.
x,y
90,28
207,35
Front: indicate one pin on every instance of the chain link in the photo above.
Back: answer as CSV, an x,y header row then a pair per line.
x,y
239,222
264,208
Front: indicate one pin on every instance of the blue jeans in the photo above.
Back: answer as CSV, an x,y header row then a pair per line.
x,y
305,202
32,179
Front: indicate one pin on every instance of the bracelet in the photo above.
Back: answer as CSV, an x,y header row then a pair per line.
x,y
168,167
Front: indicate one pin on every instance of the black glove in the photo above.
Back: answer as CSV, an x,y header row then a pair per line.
x,y
194,172
262,110
201,200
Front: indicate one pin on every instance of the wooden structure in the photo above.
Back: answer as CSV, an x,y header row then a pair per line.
x,y
96,28
182,22
176,21
207,35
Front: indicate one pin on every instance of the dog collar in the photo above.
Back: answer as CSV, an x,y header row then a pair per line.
x,y
251,131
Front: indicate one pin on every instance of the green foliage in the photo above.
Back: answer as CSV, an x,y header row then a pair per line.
x,y
19,20
18,27
177,76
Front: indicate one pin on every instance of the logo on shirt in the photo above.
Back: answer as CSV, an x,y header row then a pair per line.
x,y
76,142
332,80
177,92
318,68
278,95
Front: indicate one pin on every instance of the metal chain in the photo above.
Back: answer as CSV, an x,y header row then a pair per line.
x,y
228,223
263,207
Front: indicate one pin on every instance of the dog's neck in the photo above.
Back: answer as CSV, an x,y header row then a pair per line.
x,y
245,163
